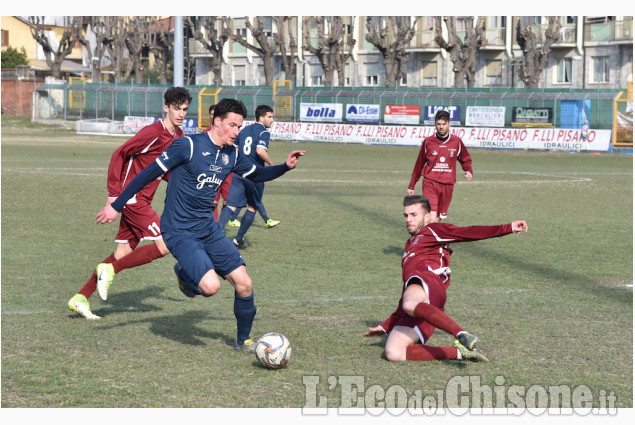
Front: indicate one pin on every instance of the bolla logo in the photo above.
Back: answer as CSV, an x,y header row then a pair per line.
x,y
320,113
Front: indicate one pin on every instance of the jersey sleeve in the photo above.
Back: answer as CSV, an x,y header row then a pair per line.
x,y
446,232
263,140
464,158
416,172
133,146
389,323
179,152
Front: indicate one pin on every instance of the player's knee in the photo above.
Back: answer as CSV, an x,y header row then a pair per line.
x,y
209,285
395,353
244,286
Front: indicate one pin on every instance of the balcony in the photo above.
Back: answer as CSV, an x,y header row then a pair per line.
x,y
609,31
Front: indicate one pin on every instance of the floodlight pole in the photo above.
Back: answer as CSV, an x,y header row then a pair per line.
x,y
178,51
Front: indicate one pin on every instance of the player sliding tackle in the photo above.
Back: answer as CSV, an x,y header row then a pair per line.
x,y
426,276
198,165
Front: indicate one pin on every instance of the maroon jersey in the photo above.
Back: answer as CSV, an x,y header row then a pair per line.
x,y
429,249
427,256
136,154
437,160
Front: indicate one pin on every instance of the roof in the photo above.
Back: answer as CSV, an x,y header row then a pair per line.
x,y
67,66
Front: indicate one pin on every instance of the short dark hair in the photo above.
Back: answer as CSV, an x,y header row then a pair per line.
x,y
211,108
177,96
442,115
225,106
262,110
417,199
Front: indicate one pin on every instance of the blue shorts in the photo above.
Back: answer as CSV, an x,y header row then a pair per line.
x,y
244,192
198,255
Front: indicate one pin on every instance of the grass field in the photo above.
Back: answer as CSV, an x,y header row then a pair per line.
x,y
553,307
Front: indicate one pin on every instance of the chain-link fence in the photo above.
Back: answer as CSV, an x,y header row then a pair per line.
x,y
103,107
601,101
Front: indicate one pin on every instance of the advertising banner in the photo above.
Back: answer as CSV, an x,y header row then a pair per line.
x,y
189,126
485,116
319,112
362,113
431,111
558,139
532,117
132,124
401,114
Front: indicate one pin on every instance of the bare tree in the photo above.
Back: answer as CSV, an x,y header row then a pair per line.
x,y
280,37
213,39
391,37
137,31
56,51
462,53
95,26
534,59
331,49
116,30
161,44
265,48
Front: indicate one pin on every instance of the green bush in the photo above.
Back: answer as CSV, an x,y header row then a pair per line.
x,y
12,57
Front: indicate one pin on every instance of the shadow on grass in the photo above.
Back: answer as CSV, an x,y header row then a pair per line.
x,y
130,301
181,328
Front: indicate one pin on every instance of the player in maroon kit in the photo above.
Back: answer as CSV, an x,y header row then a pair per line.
x,y
426,276
138,221
437,164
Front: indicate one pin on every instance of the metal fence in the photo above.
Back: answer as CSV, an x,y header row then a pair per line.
x,y
602,101
102,104
113,102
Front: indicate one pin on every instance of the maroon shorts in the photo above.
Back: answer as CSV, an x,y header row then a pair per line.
x,y
435,289
439,195
138,223
223,190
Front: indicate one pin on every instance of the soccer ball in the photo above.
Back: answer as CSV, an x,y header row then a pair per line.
x,y
273,350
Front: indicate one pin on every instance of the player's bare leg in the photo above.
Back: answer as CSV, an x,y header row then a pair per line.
x,y
398,340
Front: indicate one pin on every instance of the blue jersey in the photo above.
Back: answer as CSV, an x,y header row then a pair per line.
x,y
198,167
252,137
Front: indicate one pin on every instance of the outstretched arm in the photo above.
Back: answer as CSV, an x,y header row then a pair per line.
x,y
109,213
265,174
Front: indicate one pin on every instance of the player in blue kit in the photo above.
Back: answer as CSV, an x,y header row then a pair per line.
x,y
198,164
253,143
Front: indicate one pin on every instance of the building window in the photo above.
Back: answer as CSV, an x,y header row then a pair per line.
x,y
241,27
429,74
317,75
5,38
564,70
372,74
267,24
601,69
347,75
239,75
494,73
404,79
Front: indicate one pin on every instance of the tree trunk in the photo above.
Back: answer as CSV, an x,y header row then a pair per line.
x,y
204,30
391,38
55,56
534,59
463,54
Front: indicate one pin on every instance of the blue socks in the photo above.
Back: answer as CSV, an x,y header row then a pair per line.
x,y
223,218
245,224
245,311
